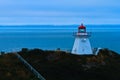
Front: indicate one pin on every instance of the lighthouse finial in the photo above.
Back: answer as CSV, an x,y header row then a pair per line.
x,y
81,24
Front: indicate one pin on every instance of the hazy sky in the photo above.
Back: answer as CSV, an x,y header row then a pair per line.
x,y
59,11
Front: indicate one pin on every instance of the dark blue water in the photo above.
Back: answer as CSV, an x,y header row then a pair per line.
x,y
52,37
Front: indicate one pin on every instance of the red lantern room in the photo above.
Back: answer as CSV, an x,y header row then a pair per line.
x,y
82,28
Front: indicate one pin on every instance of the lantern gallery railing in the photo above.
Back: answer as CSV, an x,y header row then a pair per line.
x,y
85,34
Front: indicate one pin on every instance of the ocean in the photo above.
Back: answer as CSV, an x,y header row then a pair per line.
x,y
51,37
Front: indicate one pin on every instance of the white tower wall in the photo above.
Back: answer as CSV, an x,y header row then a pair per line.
x,y
82,46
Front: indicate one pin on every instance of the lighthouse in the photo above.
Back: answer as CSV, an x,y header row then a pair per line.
x,y
82,44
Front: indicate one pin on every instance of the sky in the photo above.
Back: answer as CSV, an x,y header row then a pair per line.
x,y
59,12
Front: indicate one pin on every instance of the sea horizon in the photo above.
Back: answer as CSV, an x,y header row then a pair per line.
x,y
53,37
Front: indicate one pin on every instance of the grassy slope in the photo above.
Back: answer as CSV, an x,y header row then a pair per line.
x,y
12,69
56,65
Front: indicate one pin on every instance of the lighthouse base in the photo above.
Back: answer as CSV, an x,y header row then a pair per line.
x,y
82,47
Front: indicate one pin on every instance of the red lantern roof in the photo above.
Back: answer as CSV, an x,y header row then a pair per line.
x,y
81,26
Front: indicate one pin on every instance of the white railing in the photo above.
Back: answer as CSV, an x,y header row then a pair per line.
x,y
79,34
36,73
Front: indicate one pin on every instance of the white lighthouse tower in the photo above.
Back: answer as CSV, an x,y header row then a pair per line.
x,y
82,45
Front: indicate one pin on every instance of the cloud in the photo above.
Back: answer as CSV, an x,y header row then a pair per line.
x,y
59,11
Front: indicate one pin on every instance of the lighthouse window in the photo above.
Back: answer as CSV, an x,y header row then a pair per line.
x,y
82,30
83,40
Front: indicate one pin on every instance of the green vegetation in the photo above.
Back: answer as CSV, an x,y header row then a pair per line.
x,y
12,69
58,65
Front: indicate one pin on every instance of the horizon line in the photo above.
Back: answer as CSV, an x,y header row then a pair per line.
x,y
50,24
